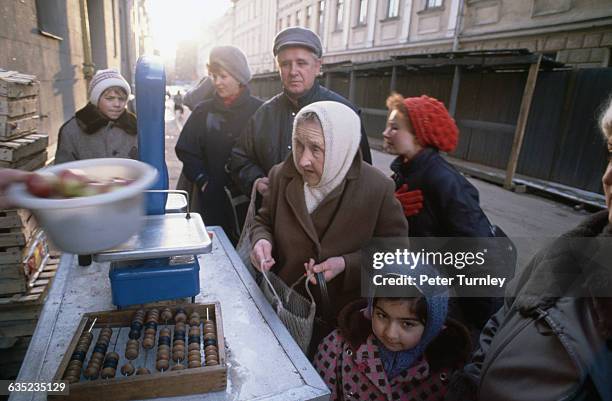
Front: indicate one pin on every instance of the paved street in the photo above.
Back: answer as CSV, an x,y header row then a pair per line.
x,y
529,220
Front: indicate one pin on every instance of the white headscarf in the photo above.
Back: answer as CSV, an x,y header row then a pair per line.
x,y
342,135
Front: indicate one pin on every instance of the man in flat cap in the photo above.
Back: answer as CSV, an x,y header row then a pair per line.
x,y
266,140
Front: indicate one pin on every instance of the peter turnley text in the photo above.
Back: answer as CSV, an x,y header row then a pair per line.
x,y
424,279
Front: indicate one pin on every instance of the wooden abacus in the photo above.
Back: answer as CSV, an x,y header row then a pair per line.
x,y
144,376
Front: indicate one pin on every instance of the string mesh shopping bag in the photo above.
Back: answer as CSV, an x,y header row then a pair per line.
x,y
293,309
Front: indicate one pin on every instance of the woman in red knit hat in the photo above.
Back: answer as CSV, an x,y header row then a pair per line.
x,y
437,200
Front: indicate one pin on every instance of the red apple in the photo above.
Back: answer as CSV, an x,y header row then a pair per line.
x,y
42,184
72,183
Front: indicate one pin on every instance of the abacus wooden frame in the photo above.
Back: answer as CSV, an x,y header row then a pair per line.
x,y
166,384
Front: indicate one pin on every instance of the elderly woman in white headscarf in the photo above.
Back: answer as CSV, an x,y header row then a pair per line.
x,y
324,204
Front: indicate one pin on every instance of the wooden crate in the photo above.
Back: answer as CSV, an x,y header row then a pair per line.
x,y
16,85
18,107
30,163
16,149
157,384
35,294
11,128
11,358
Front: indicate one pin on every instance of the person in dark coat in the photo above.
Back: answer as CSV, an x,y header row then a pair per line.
x,y
210,132
437,200
552,340
266,140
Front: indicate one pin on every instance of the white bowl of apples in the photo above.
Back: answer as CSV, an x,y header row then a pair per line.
x,y
87,206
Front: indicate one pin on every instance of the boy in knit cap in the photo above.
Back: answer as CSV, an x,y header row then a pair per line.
x,y
104,127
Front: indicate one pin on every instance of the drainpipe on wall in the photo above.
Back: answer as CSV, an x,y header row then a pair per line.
x,y
452,105
88,65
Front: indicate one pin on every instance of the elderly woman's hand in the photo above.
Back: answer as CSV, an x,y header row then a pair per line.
x,y
330,268
261,255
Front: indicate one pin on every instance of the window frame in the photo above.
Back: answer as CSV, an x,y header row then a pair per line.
x,y
395,10
362,13
339,21
435,5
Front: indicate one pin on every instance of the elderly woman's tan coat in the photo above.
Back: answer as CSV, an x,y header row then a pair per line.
x,y
361,208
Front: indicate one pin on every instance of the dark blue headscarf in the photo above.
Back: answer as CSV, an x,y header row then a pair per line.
x,y
395,362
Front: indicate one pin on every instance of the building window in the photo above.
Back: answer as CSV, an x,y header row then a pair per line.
x,y
298,17
339,14
433,3
308,16
288,21
321,15
362,17
393,8
51,16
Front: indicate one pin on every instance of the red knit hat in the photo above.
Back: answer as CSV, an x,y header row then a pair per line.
x,y
432,124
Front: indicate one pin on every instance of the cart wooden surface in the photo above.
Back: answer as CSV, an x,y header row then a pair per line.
x,y
264,362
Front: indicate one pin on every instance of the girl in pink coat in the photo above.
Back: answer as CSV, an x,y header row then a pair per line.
x,y
394,348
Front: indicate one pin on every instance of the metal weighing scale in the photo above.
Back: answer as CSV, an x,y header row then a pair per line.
x,y
160,262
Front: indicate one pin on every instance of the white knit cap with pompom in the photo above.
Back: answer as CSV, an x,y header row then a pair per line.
x,y
104,79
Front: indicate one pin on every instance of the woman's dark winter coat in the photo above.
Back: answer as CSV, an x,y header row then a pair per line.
x,y
204,147
451,207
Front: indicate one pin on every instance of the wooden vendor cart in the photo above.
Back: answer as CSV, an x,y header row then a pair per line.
x,y
263,361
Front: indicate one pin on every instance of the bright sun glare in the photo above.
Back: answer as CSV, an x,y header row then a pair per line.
x,y
173,21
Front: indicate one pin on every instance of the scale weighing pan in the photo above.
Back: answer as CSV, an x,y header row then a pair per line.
x,y
162,236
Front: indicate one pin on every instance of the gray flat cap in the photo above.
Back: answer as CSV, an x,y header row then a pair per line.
x,y
297,36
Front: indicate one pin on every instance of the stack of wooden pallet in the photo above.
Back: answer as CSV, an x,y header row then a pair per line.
x,y
26,267
20,145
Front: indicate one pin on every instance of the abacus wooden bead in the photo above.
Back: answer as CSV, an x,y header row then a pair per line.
x,y
180,317
142,371
127,369
210,353
91,373
107,373
162,364
148,343
166,314
194,346
210,347
178,366
210,336
131,354
179,343
211,362
178,356
195,364
195,352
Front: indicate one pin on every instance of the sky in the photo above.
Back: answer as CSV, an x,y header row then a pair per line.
x,y
175,20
